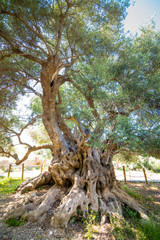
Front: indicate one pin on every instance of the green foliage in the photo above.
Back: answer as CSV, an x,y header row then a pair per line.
x,y
91,219
36,106
136,194
149,230
13,222
127,157
115,89
130,214
9,185
151,165
134,228
38,134
122,229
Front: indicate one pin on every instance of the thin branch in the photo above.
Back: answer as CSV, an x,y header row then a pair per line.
x,y
27,25
61,21
31,123
17,51
33,90
8,154
19,134
15,84
30,150
33,149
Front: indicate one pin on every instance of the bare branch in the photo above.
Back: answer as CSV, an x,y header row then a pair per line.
x,y
33,149
31,123
30,150
19,134
8,154
33,90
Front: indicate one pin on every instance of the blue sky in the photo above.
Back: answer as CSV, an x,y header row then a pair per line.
x,y
140,13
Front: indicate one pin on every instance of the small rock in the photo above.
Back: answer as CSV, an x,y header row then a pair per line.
x,y
5,237
50,232
33,195
104,220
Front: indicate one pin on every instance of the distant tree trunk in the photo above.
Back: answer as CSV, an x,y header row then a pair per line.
x,y
82,177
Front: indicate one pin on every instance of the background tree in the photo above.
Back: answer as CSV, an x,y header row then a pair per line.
x,y
99,93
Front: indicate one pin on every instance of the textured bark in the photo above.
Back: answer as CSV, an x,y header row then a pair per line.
x,y
50,84
31,184
83,178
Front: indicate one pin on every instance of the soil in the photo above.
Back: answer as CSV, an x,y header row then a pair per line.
x,y
32,231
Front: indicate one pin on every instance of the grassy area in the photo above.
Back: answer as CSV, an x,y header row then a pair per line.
x,y
146,195
9,185
131,226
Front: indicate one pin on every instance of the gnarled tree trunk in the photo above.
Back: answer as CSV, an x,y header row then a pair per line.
x,y
82,177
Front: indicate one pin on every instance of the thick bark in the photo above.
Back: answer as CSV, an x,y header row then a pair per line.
x,y
83,179
50,85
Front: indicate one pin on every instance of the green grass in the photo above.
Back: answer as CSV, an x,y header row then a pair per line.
x,y
13,222
131,192
150,230
133,228
123,230
9,185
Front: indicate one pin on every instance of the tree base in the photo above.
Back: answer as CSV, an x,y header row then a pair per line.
x,y
82,179
60,203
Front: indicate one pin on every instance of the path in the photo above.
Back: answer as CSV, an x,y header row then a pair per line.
x,y
133,176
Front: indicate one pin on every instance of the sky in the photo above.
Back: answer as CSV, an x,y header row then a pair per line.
x,y
140,13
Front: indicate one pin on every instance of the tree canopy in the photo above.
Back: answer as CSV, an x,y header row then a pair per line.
x,y
108,81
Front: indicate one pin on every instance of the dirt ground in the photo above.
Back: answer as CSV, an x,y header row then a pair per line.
x,y
147,195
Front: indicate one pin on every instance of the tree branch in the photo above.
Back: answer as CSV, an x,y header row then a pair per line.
x,y
30,150
61,21
33,90
39,35
19,134
16,49
31,123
